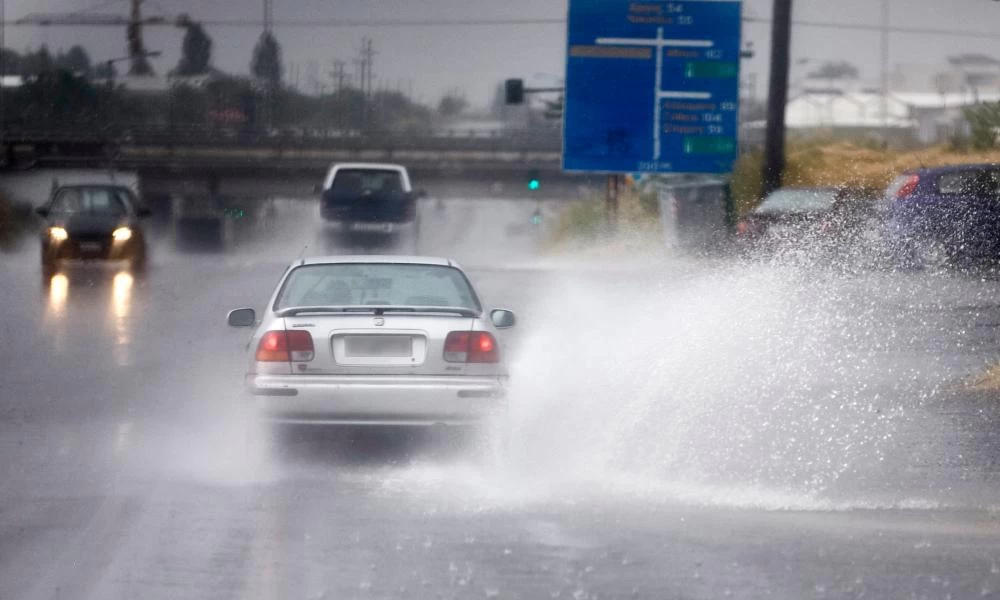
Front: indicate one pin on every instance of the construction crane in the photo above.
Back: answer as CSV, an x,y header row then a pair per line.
x,y
133,23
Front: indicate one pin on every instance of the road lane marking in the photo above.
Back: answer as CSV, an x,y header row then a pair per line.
x,y
122,436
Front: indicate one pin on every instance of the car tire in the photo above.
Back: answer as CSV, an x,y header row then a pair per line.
x,y
929,256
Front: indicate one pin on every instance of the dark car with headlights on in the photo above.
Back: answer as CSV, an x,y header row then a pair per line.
x,y
94,221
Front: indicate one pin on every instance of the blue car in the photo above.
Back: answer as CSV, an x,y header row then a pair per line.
x,y
944,215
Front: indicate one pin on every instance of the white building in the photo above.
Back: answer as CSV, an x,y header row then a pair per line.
x,y
923,117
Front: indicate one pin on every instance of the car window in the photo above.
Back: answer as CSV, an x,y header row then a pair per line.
x,y
972,182
376,284
798,201
104,201
367,181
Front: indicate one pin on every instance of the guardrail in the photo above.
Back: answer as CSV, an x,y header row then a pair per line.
x,y
146,135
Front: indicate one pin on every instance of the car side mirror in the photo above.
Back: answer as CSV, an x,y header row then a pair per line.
x,y
242,317
420,194
503,319
143,212
42,211
318,188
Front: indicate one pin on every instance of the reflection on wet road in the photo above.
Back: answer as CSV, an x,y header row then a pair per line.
x,y
683,430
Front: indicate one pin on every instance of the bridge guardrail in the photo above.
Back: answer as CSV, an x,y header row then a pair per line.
x,y
146,135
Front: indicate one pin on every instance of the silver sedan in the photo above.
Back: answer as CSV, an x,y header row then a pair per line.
x,y
375,340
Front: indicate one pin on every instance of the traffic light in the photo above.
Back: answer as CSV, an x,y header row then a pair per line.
x,y
534,183
514,91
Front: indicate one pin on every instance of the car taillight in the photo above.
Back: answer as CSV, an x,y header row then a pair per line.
x,y
471,347
908,187
286,346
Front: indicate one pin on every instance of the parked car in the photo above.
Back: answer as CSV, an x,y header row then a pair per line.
x,y
93,221
945,214
375,340
814,216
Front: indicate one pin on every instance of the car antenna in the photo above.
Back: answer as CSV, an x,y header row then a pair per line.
x,y
302,252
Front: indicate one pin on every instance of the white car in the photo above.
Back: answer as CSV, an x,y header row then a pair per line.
x,y
375,340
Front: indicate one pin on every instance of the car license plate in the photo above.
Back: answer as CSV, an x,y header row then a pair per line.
x,y
90,246
389,346
372,227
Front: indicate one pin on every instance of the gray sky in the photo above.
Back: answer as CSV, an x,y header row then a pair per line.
x,y
474,59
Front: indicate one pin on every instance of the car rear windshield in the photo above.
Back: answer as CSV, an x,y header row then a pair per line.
x,y
798,201
361,182
973,182
377,284
104,201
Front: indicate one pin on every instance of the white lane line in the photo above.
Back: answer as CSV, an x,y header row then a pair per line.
x,y
122,437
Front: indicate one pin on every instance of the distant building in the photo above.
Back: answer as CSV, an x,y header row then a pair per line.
x,y
908,118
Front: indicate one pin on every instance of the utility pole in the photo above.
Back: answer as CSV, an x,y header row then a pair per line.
x,y
269,92
885,67
777,97
339,75
268,16
365,68
136,49
3,73
368,55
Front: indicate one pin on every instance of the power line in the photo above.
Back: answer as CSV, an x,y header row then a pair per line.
x,y
560,21
94,7
879,28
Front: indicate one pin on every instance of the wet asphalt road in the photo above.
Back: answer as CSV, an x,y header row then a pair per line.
x,y
682,430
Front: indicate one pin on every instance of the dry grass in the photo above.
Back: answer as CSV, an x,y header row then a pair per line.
x,y
988,381
581,226
836,163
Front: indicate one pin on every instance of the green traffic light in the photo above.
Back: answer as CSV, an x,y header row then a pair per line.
x,y
534,184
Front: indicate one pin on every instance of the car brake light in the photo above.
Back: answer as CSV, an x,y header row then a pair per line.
x,y
286,346
471,347
909,186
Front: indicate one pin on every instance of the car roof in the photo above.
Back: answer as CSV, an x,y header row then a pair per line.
x,y
362,165
378,259
117,186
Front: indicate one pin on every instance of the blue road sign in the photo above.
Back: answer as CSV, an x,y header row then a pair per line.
x,y
652,87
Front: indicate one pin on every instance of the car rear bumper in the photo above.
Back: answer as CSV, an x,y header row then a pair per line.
x,y
382,227
376,399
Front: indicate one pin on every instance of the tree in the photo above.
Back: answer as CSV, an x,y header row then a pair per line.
x,y
104,70
75,60
452,105
835,70
196,53
984,123
266,63
11,62
37,63
57,96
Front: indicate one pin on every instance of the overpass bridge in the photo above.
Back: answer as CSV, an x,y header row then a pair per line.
x,y
232,150
175,159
